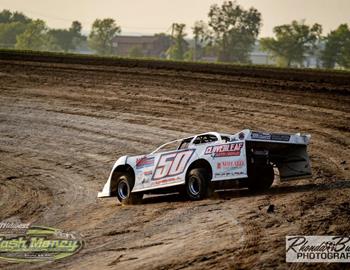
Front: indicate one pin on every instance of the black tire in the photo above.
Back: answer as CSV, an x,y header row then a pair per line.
x,y
125,184
260,178
198,185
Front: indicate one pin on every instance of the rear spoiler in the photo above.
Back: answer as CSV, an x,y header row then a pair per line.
x,y
288,152
296,138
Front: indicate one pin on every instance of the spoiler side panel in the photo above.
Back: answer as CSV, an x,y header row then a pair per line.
x,y
295,163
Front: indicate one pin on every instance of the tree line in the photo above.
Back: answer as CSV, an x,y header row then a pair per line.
x,y
229,35
21,32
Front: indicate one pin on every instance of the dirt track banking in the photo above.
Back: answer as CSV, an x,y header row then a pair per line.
x,y
63,125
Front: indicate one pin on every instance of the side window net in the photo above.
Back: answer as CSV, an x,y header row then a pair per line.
x,y
225,138
185,143
205,139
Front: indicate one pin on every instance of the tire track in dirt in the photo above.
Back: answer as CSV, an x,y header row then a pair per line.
x,y
62,126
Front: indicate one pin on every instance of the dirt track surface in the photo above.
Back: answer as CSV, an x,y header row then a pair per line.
x,y
63,125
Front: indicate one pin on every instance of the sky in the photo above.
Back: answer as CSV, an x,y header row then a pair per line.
x,y
154,16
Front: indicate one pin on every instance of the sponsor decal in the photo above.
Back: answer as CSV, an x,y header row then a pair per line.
x,y
318,249
231,164
164,181
270,136
224,150
144,162
147,173
30,243
280,137
225,174
172,164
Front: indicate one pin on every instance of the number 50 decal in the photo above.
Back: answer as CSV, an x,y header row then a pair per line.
x,y
172,164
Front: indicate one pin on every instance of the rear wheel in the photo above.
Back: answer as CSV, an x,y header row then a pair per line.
x,y
125,183
260,177
198,185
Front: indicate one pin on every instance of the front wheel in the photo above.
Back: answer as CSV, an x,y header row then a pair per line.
x,y
125,184
198,185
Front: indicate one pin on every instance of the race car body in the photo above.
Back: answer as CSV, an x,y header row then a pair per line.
x,y
194,165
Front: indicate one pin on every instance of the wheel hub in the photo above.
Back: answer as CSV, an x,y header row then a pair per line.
x,y
194,185
123,189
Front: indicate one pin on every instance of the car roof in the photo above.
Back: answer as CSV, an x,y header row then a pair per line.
x,y
216,134
192,137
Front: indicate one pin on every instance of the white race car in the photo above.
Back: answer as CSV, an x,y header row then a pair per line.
x,y
197,165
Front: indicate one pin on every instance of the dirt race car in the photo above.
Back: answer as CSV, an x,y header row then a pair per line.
x,y
197,165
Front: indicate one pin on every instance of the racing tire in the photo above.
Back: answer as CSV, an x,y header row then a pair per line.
x,y
125,183
260,178
198,185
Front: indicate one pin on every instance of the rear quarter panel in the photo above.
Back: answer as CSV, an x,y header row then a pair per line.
x,y
228,160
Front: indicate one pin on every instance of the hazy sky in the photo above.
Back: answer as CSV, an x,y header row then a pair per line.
x,y
152,16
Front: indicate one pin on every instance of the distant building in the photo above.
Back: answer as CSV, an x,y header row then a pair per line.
x,y
260,57
150,46
156,46
256,56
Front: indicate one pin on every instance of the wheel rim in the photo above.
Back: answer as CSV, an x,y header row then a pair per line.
x,y
123,189
194,185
